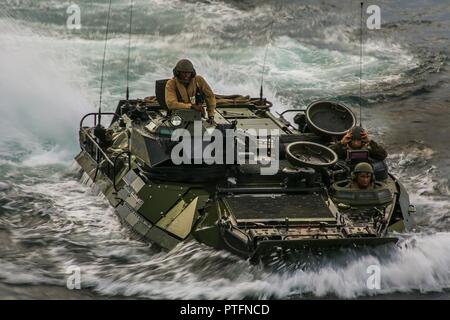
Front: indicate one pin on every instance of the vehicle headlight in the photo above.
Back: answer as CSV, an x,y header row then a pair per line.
x,y
176,121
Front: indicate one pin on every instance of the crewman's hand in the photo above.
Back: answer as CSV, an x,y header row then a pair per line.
x,y
365,138
211,120
346,138
198,108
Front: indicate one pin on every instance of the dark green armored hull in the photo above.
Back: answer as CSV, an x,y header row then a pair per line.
x,y
232,206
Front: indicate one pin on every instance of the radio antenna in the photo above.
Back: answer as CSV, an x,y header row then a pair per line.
x,y
360,64
261,92
129,50
103,64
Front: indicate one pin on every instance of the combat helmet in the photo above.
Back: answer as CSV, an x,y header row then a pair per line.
x,y
362,167
357,133
184,65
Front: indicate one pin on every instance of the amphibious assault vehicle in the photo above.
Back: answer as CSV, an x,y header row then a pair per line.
x,y
301,203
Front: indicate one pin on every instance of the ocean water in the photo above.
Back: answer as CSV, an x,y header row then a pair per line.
x,y
50,77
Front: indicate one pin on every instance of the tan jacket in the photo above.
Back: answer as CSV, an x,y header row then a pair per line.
x,y
187,93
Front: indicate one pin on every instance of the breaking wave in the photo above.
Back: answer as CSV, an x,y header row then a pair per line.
x,y
41,98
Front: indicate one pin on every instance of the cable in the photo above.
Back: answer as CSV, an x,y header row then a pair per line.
x,y
103,63
129,50
264,62
360,65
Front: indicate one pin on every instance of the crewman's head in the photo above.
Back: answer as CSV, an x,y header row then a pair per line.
x,y
184,70
363,175
357,139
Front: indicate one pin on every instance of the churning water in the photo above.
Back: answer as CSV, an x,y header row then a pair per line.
x,y
49,78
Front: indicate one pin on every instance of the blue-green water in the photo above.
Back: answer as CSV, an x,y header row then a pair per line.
x,y
50,77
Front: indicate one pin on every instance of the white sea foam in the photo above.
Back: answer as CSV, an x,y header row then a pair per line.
x,y
48,81
423,265
40,101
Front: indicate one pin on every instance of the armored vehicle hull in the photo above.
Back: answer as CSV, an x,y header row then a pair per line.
x,y
304,204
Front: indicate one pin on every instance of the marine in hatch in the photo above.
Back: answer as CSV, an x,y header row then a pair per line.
x,y
362,177
358,139
187,90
